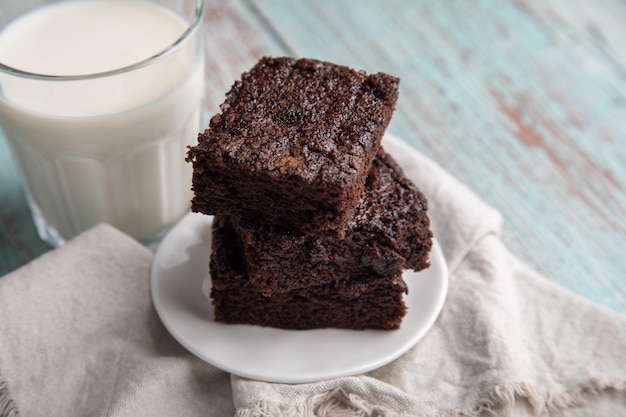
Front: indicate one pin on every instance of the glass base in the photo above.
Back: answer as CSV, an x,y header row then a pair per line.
x,y
46,232
153,242
51,236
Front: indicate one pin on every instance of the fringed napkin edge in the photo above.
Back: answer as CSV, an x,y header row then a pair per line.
x,y
339,402
7,405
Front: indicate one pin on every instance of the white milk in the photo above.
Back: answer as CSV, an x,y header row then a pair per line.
x,y
106,149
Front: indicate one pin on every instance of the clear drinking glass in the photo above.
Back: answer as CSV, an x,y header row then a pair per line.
x,y
100,134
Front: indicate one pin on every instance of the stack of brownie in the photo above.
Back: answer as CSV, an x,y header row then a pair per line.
x,y
314,222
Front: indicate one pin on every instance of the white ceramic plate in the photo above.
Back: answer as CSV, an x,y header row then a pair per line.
x,y
276,355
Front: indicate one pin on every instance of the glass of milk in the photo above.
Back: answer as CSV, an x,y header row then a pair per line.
x,y
98,102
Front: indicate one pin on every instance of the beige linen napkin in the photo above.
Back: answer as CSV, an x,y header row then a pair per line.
x,y
79,337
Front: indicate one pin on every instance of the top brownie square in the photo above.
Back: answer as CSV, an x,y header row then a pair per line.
x,y
293,144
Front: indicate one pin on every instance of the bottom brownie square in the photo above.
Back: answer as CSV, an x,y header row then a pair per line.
x,y
358,303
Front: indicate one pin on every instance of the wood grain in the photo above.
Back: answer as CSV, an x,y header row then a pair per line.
x,y
524,101
235,38
531,119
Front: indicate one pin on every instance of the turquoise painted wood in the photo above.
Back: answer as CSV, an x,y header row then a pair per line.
x,y
528,113
524,101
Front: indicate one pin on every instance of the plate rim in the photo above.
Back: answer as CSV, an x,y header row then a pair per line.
x,y
193,225
156,276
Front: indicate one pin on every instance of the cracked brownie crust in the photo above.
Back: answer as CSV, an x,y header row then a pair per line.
x,y
293,144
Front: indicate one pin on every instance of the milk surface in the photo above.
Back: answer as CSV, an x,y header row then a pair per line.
x,y
110,148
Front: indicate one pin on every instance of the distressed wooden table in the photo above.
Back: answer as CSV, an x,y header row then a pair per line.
x,y
523,101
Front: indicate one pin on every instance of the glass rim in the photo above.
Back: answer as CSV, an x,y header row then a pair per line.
x,y
191,27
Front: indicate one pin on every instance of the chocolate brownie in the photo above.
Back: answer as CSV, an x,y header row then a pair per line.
x,y
357,303
389,231
293,144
